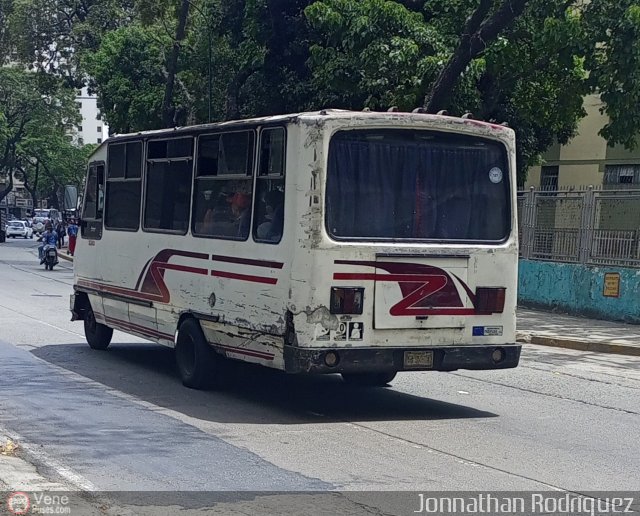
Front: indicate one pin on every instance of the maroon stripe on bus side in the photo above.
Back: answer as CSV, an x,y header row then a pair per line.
x,y
244,277
247,261
140,329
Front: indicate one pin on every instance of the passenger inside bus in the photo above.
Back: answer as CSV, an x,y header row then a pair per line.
x,y
271,228
240,209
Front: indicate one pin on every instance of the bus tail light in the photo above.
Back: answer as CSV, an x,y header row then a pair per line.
x,y
490,300
346,300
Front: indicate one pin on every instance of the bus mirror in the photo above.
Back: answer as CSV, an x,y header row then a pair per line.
x,y
70,198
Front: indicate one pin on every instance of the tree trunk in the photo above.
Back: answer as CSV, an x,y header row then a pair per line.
x,y
479,31
168,107
8,188
233,90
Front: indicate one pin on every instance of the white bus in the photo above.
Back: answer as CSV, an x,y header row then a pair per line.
x,y
358,243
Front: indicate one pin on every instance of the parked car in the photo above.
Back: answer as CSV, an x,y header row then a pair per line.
x,y
18,228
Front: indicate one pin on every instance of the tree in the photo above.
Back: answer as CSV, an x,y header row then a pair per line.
x,y
481,29
30,105
519,62
51,35
612,56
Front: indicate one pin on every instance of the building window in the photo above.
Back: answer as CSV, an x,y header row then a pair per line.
x,y
79,128
80,141
99,140
100,129
621,174
549,178
99,116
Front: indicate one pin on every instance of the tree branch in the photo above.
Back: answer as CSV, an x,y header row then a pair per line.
x,y
478,33
168,107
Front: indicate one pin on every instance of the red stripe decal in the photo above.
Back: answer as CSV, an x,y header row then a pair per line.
x,y
140,329
121,291
183,268
247,261
244,277
408,278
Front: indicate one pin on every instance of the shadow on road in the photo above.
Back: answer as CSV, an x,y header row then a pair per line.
x,y
250,394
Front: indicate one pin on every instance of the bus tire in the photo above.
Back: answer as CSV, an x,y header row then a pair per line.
x,y
369,379
98,335
196,360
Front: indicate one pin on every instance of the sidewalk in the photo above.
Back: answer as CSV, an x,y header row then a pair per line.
x,y
566,331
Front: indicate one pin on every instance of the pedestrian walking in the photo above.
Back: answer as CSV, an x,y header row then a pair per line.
x,y
72,231
61,231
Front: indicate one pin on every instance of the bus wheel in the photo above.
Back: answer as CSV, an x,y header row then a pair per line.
x,y
369,379
98,335
196,360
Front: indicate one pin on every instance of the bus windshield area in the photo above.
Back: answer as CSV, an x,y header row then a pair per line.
x,y
397,184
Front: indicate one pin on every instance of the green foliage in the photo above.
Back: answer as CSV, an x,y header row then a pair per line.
x,y
51,35
36,113
613,59
373,53
127,73
243,58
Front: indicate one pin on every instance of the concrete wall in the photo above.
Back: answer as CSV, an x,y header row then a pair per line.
x,y
578,289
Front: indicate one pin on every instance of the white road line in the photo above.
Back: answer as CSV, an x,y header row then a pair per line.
x,y
75,479
40,321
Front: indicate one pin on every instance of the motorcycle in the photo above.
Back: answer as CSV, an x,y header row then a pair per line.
x,y
49,256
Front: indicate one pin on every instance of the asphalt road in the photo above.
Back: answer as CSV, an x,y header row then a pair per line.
x,y
120,420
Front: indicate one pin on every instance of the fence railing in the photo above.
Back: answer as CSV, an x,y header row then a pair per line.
x,y
591,226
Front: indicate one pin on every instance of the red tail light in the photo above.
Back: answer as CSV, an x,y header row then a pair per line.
x,y
490,300
346,300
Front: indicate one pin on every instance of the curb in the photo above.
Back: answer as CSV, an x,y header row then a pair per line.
x,y
580,345
65,257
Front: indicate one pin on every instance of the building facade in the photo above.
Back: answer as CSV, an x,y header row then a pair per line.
x,y
92,129
587,159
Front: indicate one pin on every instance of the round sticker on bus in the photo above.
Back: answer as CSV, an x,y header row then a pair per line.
x,y
495,175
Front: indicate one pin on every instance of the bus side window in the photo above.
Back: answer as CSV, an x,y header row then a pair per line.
x,y
168,185
90,198
100,198
123,186
223,186
268,217
91,226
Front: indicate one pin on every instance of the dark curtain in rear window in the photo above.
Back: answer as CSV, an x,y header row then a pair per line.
x,y
417,185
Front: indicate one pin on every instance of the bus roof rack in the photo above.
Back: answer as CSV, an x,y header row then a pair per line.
x,y
393,109
467,116
443,112
419,110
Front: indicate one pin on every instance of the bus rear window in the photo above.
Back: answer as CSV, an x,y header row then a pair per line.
x,y
397,184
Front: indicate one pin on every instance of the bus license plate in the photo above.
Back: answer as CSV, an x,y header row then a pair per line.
x,y
414,359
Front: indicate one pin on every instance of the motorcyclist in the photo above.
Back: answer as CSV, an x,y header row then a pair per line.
x,y
49,237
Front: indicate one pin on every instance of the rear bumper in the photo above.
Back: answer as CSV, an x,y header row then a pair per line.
x,y
353,360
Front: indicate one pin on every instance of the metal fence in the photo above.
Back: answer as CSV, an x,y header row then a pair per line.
x,y
589,225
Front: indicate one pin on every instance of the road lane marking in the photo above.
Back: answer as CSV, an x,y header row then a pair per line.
x,y
42,458
40,321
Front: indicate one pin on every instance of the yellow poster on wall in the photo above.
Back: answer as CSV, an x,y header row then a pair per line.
x,y
611,284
